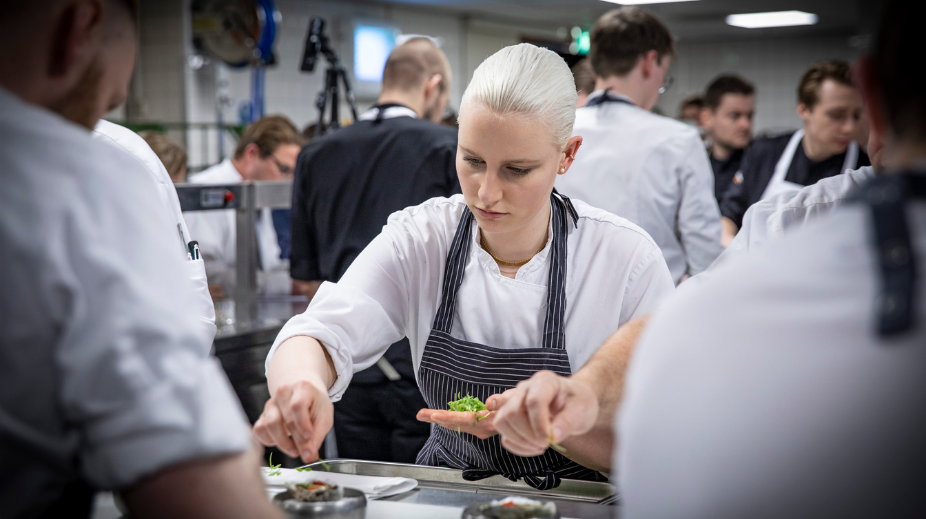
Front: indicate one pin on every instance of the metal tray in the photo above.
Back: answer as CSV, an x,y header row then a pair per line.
x,y
452,479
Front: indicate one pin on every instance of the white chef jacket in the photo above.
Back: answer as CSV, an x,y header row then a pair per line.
x,y
100,359
615,273
765,391
130,142
653,171
771,218
216,232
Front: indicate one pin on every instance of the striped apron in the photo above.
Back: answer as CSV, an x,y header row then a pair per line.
x,y
451,366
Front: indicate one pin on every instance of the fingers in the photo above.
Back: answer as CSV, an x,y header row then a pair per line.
x,y
577,414
537,402
512,423
270,431
296,419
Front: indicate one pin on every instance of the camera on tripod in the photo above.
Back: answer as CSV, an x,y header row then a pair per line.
x,y
317,42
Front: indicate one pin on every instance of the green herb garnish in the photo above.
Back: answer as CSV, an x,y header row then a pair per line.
x,y
309,469
469,404
274,469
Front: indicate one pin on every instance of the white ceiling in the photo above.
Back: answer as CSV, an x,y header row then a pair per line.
x,y
697,20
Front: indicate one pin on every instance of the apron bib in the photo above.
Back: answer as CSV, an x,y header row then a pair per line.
x,y
450,366
778,184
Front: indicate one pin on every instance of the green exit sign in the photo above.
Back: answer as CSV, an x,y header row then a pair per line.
x,y
581,41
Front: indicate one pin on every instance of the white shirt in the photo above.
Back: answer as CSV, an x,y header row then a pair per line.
x,y
765,391
653,171
770,218
100,358
392,290
131,143
217,236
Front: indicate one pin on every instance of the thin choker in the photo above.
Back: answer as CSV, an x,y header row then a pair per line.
x,y
500,261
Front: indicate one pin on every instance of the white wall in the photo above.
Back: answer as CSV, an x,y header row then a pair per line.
x,y
773,66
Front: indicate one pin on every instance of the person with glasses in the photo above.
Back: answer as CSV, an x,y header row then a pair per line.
x,y
830,106
267,150
649,169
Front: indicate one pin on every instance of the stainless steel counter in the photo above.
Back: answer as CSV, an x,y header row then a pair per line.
x,y
444,494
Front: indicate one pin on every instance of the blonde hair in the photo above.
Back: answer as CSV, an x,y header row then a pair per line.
x,y
526,79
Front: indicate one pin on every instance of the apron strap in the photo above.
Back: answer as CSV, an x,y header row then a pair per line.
x,y
453,272
886,197
554,335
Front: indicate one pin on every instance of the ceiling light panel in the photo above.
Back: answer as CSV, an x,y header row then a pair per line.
x,y
642,2
773,19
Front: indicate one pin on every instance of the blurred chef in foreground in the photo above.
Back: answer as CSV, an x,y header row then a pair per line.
x,y
133,144
649,169
105,381
790,384
830,105
729,105
478,283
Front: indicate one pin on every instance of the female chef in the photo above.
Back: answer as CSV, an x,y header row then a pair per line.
x,y
490,286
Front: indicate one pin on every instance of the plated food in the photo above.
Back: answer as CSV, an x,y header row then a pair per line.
x,y
314,491
513,508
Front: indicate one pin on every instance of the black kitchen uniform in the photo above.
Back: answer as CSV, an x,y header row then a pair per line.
x,y
347,184
724,170
759,167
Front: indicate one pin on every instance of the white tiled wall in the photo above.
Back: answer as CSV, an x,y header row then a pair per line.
x,y
773,66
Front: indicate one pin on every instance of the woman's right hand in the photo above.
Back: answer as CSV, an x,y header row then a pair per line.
x,y
296,419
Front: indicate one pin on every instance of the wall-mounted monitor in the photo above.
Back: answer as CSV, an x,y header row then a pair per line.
x,y
372,43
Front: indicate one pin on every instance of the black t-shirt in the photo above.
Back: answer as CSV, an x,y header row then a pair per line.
x,y
724,171
758,167
348,183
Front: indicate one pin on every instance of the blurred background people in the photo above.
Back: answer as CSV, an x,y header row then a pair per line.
x,y
690,109
585,80
267,150
107,383
729,107
830,107
649,169
171,154
347,184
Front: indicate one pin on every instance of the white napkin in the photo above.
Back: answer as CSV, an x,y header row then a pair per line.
x,y
374,487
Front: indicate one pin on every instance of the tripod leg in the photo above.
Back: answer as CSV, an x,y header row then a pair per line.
x,y
351,100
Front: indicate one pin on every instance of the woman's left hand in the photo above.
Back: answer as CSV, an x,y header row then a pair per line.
x,y
465,421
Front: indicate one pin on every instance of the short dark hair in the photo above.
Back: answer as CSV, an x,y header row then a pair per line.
x,y
584,76
268,133
723,85
621,36
411,64
808,90
693,100
898,58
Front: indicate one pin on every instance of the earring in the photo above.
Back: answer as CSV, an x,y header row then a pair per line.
x,y
562,170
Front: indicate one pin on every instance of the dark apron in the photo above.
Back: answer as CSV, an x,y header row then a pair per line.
x,y
886,197
450,366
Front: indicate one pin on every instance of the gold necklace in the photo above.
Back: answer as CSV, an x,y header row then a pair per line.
x,y
485,247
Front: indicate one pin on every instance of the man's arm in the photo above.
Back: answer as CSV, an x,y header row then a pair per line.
x,y
221,487
576,412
